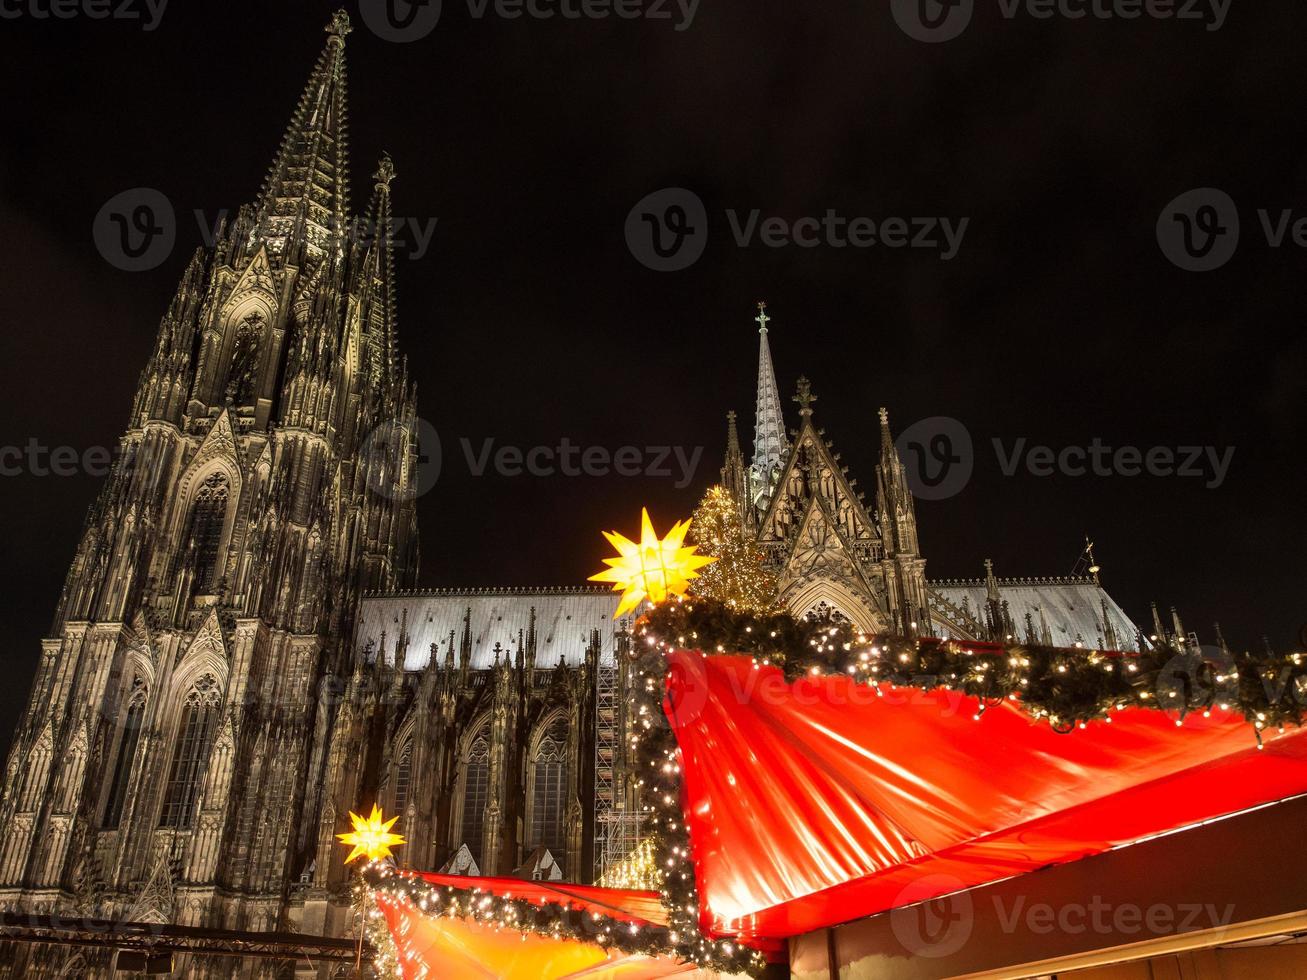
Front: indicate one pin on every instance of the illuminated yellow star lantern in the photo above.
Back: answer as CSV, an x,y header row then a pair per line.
x,y
653,569
371,837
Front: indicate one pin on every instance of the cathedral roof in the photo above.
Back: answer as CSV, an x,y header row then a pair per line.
x,y
1072,607
564,621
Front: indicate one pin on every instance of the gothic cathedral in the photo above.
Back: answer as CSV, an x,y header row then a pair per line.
x,y
172,761
239,655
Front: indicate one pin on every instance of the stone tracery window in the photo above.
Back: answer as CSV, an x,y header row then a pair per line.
x,y
195,735
549,791
208,516
824,612
133,720
476,792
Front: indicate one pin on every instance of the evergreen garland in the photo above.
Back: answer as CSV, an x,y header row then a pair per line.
x,y
1067,687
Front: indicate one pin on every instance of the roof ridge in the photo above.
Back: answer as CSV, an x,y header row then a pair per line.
x,y
490,590
1034,580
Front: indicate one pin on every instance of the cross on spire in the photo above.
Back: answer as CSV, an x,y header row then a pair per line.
x,y
385,171
762,319
805,397
339,26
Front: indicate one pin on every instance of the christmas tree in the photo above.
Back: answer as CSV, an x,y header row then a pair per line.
x,y
738,578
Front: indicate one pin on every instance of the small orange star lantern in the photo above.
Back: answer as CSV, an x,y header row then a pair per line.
x,y
654,568
371,837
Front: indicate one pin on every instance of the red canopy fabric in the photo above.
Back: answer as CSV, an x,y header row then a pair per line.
x,y
433,948
820,802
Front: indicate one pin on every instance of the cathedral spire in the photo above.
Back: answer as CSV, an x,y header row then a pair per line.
x,y
734,479
894,503
305,197
769,423
1220,640
996,611
379,268
1110,639
1179,627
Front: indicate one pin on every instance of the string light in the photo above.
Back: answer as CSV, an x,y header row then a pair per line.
x,y
1067,688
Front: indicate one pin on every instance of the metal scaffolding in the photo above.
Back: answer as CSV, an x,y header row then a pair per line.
x,y
157,939
617,828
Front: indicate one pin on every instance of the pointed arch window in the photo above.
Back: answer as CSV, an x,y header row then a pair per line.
x,y
208,516
245,360
38,769
476,793
403,777
129,737
549,790
195,734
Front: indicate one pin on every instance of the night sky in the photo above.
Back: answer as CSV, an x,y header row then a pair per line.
x,y
528,320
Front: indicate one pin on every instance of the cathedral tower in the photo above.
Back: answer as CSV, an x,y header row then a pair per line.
x,y
170,761
832,555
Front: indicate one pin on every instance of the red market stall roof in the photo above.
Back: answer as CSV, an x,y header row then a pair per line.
x,y
462,949
823,801
643,907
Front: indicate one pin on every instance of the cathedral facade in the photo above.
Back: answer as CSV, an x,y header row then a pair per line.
x,y
172,763
239,655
